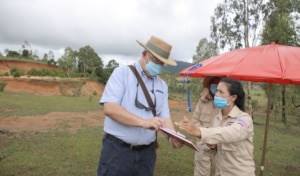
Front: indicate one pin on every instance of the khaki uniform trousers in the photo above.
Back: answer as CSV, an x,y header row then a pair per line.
x,y
204,162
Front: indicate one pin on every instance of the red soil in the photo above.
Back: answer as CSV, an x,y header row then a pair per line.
x,y
51,86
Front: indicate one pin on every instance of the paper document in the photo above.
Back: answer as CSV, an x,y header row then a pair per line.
x,y
180,137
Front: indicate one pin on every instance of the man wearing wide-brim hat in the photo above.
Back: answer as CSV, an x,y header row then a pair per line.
x,y
130,125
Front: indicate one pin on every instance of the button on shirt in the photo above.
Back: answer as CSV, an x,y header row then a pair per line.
x,y
121,88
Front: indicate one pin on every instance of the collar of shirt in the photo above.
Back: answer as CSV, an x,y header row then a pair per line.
x,y
141,71
232,114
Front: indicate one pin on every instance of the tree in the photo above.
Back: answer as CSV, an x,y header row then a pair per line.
x,y
10,53
68,61
36,55
89,61
104,74
281,28
26,49
234,23
45,57
51,62
25,53
205,50
51,55
112,64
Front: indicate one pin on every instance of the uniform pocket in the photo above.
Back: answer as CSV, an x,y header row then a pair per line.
x,y
205,118
232,147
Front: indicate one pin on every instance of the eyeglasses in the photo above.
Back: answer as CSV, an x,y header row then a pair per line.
x,y
139,105
154,59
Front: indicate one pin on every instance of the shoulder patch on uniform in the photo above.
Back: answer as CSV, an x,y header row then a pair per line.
x,y
242,122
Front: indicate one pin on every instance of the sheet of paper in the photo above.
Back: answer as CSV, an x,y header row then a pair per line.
x,y
180,137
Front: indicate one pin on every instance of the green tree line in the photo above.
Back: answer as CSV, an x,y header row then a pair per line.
x,y
84,63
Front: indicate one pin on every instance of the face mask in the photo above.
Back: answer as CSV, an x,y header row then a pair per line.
x,y
153,69
213,88
220,102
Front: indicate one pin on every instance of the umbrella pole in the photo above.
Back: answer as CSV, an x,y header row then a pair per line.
x,y
266,130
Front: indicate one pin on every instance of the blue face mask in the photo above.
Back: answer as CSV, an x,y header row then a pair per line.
x,y
153,69
220,102
213,88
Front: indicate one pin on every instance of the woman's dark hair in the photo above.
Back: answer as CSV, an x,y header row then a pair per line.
x,y
235,88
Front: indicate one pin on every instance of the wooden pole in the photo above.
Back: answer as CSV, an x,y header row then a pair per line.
x,y
262,166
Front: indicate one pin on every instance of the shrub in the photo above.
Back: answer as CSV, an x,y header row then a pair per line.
x,y
15,72
44,72
33,72
13,69
76,89
2,85
53,73
63,90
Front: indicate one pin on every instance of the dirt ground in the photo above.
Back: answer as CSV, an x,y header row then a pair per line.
x,y
50,86
52,121
67,120
46,86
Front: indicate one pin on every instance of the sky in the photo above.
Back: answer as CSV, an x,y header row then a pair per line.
x,y
110,27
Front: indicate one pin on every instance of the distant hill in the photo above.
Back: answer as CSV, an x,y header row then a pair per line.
x,y
180,66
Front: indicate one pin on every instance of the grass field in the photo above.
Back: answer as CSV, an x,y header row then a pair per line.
x,y
24,104
65,153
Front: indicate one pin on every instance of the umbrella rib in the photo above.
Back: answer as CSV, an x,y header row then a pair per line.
x,y
279,60
239,63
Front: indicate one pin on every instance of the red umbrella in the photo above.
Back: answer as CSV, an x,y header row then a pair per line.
x,y
271,63
268,63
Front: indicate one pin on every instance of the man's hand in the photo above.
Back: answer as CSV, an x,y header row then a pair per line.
x,y
153,123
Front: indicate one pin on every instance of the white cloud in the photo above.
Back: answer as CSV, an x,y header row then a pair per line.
x,y
110,27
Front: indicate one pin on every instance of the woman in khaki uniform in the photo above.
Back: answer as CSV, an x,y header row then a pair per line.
x,y
203,116
232,133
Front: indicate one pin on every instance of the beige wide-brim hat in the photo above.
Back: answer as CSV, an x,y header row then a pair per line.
x,y
160,49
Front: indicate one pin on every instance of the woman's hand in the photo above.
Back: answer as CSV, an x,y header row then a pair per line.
x,y
212,146
189,127
205,95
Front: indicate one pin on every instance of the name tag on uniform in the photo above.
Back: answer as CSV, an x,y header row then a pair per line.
x,y
229,123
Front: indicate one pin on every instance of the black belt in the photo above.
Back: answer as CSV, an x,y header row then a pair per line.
x,y
132,147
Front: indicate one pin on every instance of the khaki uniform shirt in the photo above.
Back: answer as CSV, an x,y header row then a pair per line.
x,y
203,116
234,139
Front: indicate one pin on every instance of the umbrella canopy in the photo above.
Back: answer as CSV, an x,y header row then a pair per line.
x,y
271,63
